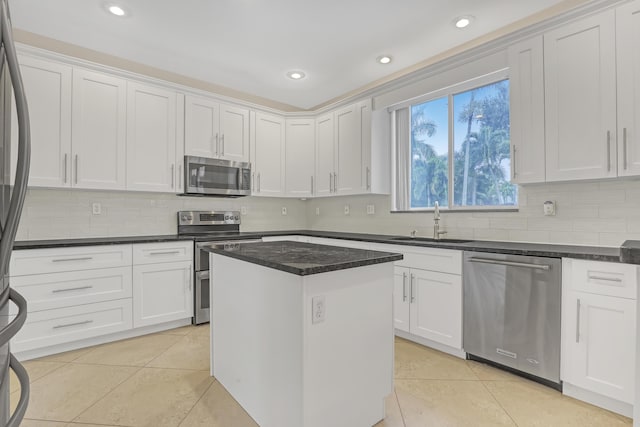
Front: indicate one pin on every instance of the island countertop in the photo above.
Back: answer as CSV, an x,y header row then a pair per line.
x,y
301,258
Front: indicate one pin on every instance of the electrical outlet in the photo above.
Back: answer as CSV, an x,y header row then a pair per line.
x,y
371,209
243,210
549,208
346,209
318,309
284,210
96,208
317,211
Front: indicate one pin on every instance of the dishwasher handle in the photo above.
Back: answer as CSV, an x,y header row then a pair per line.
x,y
511,263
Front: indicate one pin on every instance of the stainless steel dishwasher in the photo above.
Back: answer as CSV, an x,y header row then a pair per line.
x,y
512,313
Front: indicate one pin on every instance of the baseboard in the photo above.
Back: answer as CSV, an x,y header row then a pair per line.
x,y
599,400
103,339
432,344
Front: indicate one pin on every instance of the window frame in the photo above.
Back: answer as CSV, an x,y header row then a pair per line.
x,y
449,92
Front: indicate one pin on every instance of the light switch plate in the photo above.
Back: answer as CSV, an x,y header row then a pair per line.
x,y
371,209
346,209
96,208
284,210
243,210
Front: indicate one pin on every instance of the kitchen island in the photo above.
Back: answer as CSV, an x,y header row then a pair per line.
x,y
302,334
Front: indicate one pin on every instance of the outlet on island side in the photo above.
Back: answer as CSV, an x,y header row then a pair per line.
x,y
318,309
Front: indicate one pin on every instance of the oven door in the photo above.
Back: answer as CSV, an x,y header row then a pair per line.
x,y
216,177
201,312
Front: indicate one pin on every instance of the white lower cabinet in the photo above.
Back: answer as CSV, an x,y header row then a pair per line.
x,y
599,329
401,303
162,292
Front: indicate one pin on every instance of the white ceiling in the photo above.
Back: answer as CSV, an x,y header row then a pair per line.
x,y
249,45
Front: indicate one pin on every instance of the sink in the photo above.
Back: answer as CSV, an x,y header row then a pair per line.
x,y
428,240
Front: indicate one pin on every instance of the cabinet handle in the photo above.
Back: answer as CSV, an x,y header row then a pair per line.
x,y
624,148
413,297
76,164
216,143
608,151
404,287
86,258
253,181
222,145
335,182
57,291
258,182
173,176
312,185
179,176
330,182
190,279
164,253
368,178
607,279
513,161
65,168
68,325
578,321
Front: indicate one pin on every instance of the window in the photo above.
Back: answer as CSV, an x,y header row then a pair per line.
x,y
459,150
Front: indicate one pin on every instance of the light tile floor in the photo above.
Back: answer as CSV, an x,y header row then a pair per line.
x,y
163,380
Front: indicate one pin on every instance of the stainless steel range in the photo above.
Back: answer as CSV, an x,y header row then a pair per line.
x,y
208,228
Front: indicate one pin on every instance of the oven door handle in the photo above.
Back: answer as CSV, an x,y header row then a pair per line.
x,y
201,275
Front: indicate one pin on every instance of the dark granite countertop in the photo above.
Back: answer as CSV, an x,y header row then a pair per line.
x,y
303,259
628,253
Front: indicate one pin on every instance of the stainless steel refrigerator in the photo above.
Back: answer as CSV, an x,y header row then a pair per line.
x,y
11,201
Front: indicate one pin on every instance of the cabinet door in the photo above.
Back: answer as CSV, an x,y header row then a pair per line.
x,y
436,307
49,96
300,157
599,344
151,138
234,133
201,127
179,143
348,143
526,79
401,305
98,131
580,99
325,155
162,293
268,152
366,145
628,55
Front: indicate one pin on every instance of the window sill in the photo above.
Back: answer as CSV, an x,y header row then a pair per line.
x,y
462,210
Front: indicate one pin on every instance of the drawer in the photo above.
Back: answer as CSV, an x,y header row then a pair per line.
x,y
152,253
55,260
442,260
57,290
602,278
63,325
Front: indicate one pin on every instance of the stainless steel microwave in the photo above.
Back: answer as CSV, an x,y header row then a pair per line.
x,y
216,177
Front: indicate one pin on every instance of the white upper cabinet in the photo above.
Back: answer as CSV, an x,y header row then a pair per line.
x,y
324,155
580,99
98,131
628,68
267,148
526,75
234,133
300,157
216,130
348,146
48,90
151,138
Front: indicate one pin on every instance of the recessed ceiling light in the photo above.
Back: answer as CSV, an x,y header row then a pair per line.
x,y
463,21
116,10
295,75
384,59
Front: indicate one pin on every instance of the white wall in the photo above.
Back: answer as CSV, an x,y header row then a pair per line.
x,y
54,214
595,213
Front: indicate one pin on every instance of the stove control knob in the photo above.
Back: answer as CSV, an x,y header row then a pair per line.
x,y
237,217
226,217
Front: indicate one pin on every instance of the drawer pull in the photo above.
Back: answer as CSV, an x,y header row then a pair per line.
x,y
164,253
86,258
68,325
55,291
606,279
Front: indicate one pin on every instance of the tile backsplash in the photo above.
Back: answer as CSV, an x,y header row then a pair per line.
x,y
587,213
67,213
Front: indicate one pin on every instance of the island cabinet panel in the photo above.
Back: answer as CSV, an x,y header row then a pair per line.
x,y
285,369
162,292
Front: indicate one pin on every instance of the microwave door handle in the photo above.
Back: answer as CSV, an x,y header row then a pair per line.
x,y
24,142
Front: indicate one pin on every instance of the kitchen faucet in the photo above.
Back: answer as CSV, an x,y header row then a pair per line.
x,y
436,223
